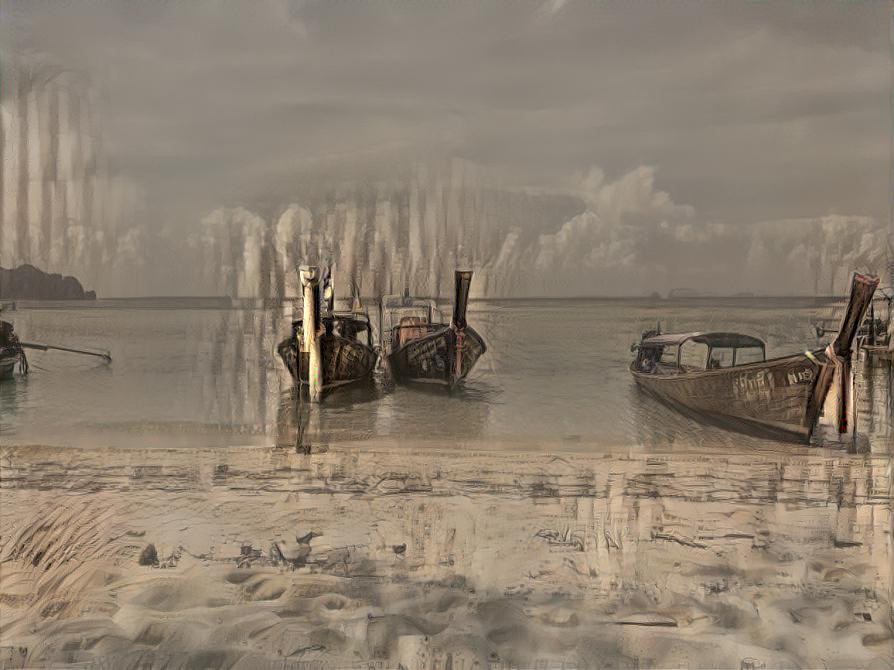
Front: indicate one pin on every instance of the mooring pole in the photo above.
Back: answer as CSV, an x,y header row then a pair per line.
x,y
872,323
310,282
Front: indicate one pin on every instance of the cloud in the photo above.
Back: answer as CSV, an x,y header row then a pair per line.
x,y
821,251
214,100
748,112
621,216
627,238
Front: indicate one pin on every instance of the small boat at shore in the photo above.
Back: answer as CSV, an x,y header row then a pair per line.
x,y
327,351
725,378
11,351
421,348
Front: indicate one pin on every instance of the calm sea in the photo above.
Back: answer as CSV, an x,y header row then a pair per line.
x,y
554,376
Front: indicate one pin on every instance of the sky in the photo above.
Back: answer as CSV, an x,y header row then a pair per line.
x,y
681,120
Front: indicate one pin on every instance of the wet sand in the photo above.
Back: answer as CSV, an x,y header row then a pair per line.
x,y
432,556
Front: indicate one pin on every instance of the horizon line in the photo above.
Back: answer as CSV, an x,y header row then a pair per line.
x,y
706,296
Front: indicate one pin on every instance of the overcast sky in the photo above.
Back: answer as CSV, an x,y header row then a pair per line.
x,y
747,111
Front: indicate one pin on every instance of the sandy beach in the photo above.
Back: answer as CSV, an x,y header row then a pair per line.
x,y
375,555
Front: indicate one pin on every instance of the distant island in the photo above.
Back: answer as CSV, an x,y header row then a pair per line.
x,y
683,293
27,282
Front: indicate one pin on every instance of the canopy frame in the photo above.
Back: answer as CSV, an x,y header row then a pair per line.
x,y
713,340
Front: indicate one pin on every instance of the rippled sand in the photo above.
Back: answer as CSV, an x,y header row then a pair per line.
x,y
436,557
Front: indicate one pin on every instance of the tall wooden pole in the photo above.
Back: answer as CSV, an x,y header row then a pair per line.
x,y
311,327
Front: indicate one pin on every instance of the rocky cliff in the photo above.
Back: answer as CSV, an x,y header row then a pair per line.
x,y
26,282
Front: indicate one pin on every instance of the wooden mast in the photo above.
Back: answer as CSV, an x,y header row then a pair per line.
x,y
839,352
462,281
311,322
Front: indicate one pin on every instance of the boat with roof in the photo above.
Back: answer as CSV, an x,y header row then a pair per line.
x,y
726,378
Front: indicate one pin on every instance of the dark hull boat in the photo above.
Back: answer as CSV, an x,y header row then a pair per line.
x,y
8,362
424,351
741,390
11,352
344,361
443,357
326,352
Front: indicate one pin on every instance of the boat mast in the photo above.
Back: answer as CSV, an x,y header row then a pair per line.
x,y
839,352
463,280
310,333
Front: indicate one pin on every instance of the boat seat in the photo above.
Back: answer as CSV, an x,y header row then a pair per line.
x,y
406,331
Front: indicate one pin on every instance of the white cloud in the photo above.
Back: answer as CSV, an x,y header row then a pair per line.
x,y
753,112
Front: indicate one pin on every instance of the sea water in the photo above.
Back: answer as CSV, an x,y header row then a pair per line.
x,y
554,371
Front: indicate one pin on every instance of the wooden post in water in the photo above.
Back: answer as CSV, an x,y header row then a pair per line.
x,y
310,283
839,352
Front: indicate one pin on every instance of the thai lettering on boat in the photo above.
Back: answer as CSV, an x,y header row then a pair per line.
x,y
800,376
753,382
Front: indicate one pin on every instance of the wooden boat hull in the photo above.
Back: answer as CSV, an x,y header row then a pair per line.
x,y
774,398
11,353
344,361
443,357
7,367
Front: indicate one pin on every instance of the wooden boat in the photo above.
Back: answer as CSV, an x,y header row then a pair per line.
x,y
11,352
423,349
735,385
325,352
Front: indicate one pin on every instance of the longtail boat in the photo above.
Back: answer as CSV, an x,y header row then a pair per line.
x,y
726,378
326,351
11,352
421,348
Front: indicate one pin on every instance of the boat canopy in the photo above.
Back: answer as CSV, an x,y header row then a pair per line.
x,y
713,340
407,301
